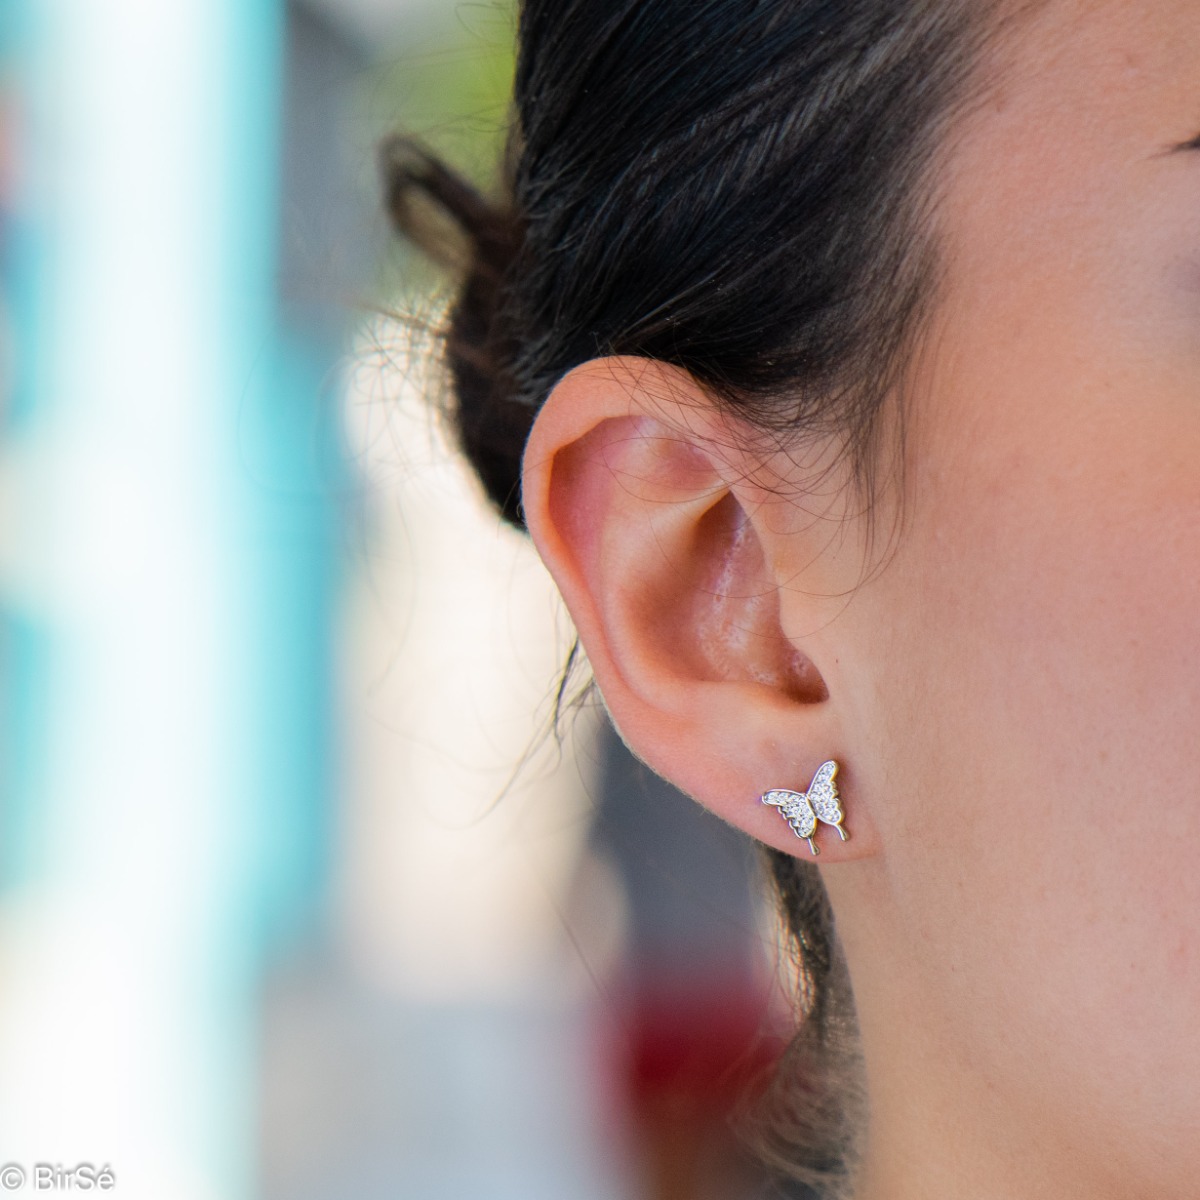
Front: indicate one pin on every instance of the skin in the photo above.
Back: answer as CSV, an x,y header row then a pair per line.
x,y
1013,688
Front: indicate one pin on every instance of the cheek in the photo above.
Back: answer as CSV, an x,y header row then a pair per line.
x,y
1034,684
1048,576
1039,701
1034,646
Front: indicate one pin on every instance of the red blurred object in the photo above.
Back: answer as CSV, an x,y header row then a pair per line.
x,y
690,1054
699,1048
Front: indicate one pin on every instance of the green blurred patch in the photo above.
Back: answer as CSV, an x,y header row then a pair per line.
x,y
452,89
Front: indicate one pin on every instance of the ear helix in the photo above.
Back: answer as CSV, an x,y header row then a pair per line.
x,y
802,810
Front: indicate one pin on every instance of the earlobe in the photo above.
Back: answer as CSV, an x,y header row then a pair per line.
x,y
640,496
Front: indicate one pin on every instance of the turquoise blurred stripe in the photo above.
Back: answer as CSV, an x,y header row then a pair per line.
x,y
167,583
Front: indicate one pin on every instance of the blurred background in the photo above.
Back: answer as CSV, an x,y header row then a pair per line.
x,y
299,894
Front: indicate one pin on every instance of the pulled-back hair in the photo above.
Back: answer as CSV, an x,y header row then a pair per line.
x,y
741,188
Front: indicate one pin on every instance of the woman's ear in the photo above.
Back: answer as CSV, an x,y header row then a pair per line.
x,y
704,580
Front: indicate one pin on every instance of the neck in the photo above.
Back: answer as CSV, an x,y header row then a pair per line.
x,y
960,1103
934,1137
947,1120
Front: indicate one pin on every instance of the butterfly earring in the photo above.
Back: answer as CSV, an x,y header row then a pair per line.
x,y
802,810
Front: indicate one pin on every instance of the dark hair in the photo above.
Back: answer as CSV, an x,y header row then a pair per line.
x,y
741,188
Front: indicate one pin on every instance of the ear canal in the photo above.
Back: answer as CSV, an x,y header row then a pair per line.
x,y
735,609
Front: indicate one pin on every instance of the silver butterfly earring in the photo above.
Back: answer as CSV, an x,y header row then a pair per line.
x,y
802,810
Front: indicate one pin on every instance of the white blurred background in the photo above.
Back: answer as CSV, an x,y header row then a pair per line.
x,y
297,898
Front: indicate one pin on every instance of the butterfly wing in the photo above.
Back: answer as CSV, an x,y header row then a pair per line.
x,y
795,808
823,795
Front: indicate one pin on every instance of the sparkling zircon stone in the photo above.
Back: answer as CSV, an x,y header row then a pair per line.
x,y
803,822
